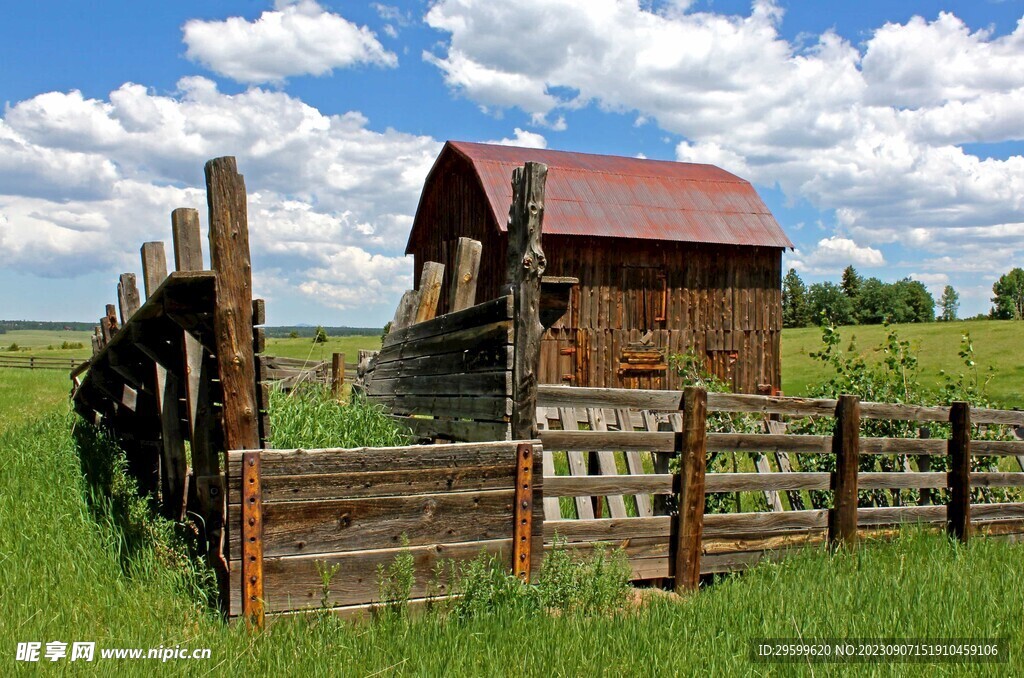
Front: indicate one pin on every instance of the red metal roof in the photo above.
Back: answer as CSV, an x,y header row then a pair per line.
x,y
605,195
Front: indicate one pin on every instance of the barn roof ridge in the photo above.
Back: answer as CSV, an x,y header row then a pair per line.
x,y
611,196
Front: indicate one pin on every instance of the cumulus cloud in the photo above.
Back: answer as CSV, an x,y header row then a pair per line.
x,y
873,132
832,255
83,181
299,37
523,138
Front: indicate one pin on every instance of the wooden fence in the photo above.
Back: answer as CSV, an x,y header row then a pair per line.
x,y
182,367
690,542
296,514
29,362
287,373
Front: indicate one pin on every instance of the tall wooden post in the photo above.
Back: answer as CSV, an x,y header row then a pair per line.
x,y
842,518
525,266
958,511
232,323
691,444
188,256
174,466
337,374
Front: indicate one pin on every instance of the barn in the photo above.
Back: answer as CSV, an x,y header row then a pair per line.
x,y
671,257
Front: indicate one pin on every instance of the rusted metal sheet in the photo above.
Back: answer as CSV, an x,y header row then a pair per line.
x,y
523,512
252,540
610,196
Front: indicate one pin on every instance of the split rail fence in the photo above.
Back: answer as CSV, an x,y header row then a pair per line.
x,y
28,362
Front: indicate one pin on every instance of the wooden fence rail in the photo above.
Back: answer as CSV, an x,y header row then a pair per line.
x,y
39,362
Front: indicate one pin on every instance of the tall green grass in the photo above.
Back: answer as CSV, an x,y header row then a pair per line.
x,y
309,417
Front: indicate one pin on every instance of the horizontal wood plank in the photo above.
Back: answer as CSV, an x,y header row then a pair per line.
x,y
484,408
586,441
479,383
366,459
307,487
482,314
312,527
610,485
466,431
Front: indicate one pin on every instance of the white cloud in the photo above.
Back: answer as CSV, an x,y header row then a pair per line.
x,y
832,255
84,181
523,138
872,132
299,37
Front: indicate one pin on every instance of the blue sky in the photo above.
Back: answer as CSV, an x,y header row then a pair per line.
x,y
883,134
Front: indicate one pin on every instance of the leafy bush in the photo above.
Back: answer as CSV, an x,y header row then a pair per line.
x,y
309,417
14,347
72,345
320,336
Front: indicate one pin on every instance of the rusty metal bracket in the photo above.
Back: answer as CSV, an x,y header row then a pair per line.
x,y
252,541
522,514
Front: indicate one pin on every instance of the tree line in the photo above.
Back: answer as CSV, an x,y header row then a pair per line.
x,y
870,301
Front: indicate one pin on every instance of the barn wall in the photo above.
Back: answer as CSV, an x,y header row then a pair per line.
x,y
724,302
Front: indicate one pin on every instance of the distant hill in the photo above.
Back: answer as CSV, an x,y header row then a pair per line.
x,y
45,325
285,331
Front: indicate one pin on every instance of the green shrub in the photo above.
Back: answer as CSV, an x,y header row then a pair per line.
x,y
14,347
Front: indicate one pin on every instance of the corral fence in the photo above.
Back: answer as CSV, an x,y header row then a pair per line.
x,y
288,373
28,362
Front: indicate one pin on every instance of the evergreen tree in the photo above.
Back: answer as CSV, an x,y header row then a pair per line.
x,y
949,303
851,282
320,336
1009,296
917,300
794,301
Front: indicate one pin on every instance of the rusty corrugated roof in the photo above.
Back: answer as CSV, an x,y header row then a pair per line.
x,y
612,196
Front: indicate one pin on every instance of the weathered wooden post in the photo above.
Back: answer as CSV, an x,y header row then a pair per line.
x,y
174,464
462,292
232,322
958,510
429,291
127,297
524,267
691,445
842,518
924,465
337,374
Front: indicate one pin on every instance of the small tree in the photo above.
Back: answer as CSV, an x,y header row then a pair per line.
x,y
1009,296
851,282
949,303
294,334
320,336
794,301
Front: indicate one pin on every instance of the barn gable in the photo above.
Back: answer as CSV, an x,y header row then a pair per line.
x,y
609,196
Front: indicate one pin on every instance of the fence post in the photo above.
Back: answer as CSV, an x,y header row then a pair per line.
x,y
958,510
524,267
337,374
430,291
127,297
842,519
924,465
691,444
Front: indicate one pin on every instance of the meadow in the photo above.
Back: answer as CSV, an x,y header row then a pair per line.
x,y
82,558
998,344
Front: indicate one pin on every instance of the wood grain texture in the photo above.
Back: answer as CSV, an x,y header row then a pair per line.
x,y
462,291
525,265
294,528
431,280
128,299
154,266
232,318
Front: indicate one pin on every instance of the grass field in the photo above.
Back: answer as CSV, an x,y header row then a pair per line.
x,y
997,343
47,343
80,560
307,350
